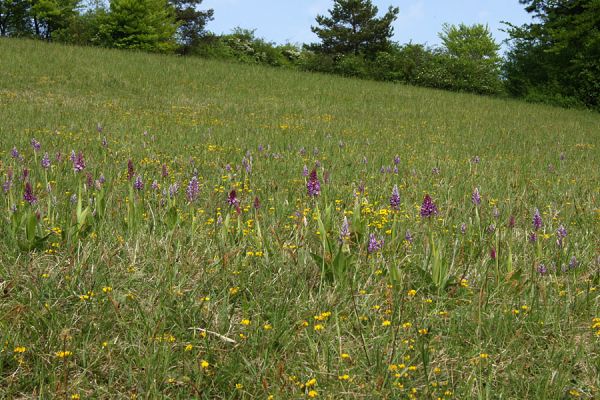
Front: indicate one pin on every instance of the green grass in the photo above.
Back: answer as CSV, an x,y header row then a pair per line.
x,y
130,288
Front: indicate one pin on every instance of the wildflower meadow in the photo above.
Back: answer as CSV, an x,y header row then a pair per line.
x,y
189,229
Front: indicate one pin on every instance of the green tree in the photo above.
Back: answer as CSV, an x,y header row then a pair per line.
x,y
473,42
556,58
50,16
43,18
14,18
353,28
471,58
84,28
147,25
192,22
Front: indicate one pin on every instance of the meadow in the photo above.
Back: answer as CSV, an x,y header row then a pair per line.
x,y
183,228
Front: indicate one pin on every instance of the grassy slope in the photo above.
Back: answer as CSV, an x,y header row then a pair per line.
x,y
58,95
79,87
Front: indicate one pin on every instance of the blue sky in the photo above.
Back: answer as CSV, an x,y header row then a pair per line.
x,y
284,21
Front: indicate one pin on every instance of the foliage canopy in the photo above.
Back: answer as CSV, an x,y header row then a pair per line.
x,y
192,22
558,55
472,62
353,28
148,25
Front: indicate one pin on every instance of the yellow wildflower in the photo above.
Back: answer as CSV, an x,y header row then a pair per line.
x,y
310,382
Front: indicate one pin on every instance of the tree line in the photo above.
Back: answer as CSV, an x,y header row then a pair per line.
x,y
553,59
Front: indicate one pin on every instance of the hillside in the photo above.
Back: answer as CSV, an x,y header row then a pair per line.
x,y
185,228
53,86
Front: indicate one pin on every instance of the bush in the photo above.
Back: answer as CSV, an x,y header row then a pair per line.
x,y
316,62
386,66
82,29
241,45
411,63
353,66
554,98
